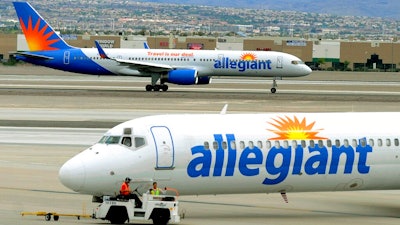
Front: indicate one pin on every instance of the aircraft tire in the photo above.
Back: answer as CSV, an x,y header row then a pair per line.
x,y
47,217
149,87
157,87
164,87
273,90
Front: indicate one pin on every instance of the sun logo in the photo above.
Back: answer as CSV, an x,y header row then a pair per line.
x,y
36,37
294,129
248,57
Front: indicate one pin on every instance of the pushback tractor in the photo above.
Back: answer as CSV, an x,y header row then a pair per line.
x,y
161,209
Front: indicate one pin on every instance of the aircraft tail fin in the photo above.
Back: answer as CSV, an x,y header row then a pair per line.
x,y
39,35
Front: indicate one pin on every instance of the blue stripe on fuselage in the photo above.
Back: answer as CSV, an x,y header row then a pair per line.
x,y
71,60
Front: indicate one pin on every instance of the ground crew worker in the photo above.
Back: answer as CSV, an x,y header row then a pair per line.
x,y
125,193
155,190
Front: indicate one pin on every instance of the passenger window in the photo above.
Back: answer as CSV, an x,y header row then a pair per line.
x,y
241,145
259,144
388,142
371,142
215,145
363,142
294,144
285,144
233,145
320,143
396,142
337,143
251,145
354,143
206,145
379,142
268,145
224,145
139,142
346,143
277,145
312,144
127,141
303,143
329,143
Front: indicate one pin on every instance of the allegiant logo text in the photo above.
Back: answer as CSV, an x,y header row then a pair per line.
x,y
242,65
277,163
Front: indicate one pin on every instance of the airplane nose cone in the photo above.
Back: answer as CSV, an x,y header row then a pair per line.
x,y
72,174
308,70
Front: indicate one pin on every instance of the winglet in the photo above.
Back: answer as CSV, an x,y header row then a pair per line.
x,y
102,53
223,110
146,46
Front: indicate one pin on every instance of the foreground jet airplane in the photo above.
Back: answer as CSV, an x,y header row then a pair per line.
x,y
183,67
249,153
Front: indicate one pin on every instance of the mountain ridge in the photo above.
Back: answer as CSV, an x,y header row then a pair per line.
x,y
369,8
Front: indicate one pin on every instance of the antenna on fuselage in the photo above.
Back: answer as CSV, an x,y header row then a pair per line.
x,y
223,110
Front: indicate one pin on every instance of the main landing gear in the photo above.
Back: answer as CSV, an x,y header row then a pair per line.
x,y
156,87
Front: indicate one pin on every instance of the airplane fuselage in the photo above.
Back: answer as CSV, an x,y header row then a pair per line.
x,y
254,153
205,62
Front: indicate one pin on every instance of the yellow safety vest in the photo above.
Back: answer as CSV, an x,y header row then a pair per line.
x,y
155,192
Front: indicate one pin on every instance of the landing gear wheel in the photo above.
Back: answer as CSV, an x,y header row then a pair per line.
x,y
273,90
47,217
149,87
164,87
56,218
157,87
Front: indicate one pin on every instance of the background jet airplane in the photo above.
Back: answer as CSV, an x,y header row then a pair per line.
x,y
182,67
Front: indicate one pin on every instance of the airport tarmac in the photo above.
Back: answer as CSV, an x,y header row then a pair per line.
x,y
47,116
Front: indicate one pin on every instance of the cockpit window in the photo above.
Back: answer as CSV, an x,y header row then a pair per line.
x,y
296,62
139,142
110,140
127,141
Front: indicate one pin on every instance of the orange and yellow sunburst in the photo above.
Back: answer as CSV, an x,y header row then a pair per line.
x,y
37,39
293,129
248,57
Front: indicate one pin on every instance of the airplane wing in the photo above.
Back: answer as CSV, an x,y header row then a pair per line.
x,y
136,65
31,55
145,66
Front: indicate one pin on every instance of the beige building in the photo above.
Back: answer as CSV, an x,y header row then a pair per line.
x,y
326,54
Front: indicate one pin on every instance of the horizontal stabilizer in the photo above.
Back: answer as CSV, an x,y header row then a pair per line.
x,y
32,55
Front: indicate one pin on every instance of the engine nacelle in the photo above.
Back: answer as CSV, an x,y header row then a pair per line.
x,y
182,77
204,80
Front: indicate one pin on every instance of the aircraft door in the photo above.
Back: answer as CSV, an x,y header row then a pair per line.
x,y
66,57
165,152
279,62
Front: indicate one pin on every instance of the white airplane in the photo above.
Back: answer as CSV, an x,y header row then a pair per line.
x,y
183,67
243,153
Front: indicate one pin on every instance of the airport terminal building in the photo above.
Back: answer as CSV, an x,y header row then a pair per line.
x,y
318,54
